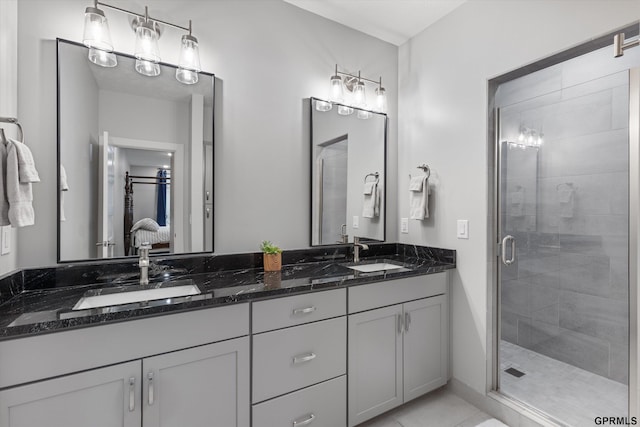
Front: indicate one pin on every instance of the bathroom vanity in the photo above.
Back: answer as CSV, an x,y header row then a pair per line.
x,y
260,350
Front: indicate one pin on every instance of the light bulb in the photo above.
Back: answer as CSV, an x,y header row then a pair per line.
x,y
147,42
521,136
359,97
189,62
336,92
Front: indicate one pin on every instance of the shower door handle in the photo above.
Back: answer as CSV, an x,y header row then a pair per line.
x,y
506,239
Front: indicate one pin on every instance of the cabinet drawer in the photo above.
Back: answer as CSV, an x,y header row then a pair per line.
x,y
293,358
368,297
325,404
296,310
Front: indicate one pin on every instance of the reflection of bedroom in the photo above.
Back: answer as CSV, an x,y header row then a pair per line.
x,y
150,195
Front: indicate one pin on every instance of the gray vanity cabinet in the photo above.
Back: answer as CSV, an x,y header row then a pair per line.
x,y
398,352
205,386
106,397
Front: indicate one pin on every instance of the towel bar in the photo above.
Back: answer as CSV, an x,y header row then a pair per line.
x,y
14,121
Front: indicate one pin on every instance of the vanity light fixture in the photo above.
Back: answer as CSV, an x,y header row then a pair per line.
x,y
528,137
356,94
148,30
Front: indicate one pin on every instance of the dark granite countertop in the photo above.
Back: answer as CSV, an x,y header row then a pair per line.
x,y
36,306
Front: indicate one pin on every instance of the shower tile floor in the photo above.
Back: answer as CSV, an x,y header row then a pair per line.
x,y
569,394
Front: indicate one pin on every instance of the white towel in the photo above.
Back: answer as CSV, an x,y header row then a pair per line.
x,y
419,199
26,166
19,194
371,202
4,201
64,186
566,199
517,204
415,184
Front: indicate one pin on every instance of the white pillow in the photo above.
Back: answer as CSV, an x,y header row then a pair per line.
x,y
145,224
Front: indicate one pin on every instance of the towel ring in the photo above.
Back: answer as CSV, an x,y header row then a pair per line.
x,y
425,168
14,121
374,174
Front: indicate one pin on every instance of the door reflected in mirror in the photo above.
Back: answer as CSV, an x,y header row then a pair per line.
x,y
135,158
348,167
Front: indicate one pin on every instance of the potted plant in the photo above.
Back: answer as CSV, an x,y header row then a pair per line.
x,y
271,256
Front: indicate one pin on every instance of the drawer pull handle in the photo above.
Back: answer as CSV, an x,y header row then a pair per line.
x,y
304,358
150,390
132,394
407,321
399,323
306,421
305,310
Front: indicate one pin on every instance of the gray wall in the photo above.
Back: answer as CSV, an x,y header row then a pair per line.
x,y
267,55
567,295
443,111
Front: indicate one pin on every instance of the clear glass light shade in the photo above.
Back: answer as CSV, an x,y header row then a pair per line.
x,y
363,114
540,140
381,100
343,110
147,68
336,91
323,105
359,97
147,43
102,58
189,54
96,30
188,77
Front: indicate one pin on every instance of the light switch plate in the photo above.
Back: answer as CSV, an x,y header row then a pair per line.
x,y
356,221
463,229
404,225
6,240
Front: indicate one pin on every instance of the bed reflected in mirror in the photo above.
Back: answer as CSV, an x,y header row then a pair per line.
x,y
135,157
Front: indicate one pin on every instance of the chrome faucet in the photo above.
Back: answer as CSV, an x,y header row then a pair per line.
x,y
356,248
143,262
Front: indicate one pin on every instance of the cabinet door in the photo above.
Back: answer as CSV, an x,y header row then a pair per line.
x,y
425,346
375,363
107,397
205,386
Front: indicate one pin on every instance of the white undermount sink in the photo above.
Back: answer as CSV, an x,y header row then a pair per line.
x,y
378,266
119,298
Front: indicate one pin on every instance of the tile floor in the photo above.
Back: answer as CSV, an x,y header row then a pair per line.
x,y
569,394
441,408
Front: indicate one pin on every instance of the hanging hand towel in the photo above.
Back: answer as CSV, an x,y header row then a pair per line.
x,y
566,199
517,204
371,202
4,201
19,194
419,197
26,166
64,186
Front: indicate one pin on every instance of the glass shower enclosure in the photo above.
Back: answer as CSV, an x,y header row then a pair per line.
x,y
562,142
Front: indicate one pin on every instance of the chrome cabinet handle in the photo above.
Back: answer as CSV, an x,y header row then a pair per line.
x,y
132,394
304,358
407,321
506,239
308,419
399,321
150,389
305,310
208,210
207,195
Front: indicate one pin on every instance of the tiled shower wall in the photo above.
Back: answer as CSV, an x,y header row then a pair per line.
x,y
566,296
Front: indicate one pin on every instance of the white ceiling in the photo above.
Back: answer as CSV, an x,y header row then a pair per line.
x,y
394,21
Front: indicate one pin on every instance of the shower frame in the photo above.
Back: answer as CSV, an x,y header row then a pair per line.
x,y
494,218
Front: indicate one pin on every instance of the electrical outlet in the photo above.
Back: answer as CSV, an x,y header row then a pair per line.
x,y
463,229
356,221
404,225
6,240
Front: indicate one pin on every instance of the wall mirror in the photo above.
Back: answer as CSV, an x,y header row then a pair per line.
x,y
348,173
135,159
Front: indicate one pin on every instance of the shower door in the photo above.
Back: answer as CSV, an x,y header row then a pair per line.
x,y
563,237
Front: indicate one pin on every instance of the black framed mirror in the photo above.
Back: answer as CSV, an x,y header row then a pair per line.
x,y
135,159
348,173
